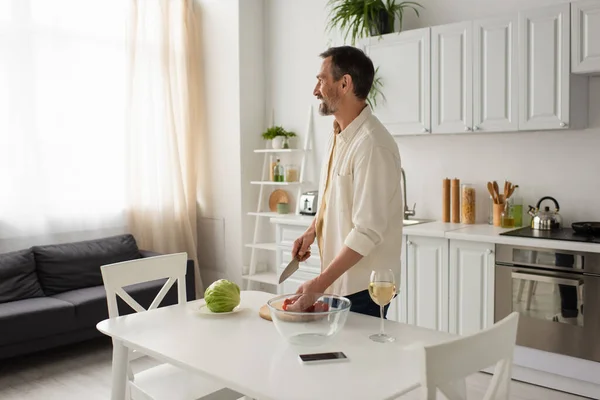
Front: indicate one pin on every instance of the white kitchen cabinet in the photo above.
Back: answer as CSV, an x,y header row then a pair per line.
x,y
495,76
398,306
404,68
585,35
291,284
427,278
402,298
471,286
452,78
549,97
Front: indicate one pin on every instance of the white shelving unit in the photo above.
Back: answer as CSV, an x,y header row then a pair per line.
x,y
261,217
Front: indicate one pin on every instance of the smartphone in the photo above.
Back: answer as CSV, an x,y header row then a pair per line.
x,y
318,358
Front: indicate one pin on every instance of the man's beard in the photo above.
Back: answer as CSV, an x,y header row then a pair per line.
x,y
327,107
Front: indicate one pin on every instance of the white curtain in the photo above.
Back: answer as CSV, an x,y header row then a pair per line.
x,y
164,122
62,120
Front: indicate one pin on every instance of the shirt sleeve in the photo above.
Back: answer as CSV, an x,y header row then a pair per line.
x,y
376,198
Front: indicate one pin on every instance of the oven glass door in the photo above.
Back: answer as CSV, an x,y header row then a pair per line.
x,y
558,311
548,297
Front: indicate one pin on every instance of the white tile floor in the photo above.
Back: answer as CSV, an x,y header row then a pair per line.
x,y
82,372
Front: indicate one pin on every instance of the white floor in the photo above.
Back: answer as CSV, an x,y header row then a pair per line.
x,y
82,372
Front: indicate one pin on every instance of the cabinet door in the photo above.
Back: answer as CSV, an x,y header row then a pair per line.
x,y
452,78
427,267
398,306
402,298
495,90
544,68
291,284
585,31
471,286
403,61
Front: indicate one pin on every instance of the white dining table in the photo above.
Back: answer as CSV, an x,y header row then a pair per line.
x,y
245,353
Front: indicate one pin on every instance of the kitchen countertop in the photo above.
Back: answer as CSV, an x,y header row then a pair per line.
x,y
476,233
431,229
491,234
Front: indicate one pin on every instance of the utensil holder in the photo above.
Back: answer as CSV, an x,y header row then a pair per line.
x,y
497,211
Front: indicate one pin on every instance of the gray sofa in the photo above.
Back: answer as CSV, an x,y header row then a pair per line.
x,y
54,295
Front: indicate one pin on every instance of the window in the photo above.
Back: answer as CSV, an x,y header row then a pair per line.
x,y
63,66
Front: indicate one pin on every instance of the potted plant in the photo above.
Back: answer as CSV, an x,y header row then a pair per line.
x,y
363,18
375,91
278,136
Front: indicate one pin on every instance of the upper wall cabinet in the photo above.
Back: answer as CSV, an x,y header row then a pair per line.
x,y
404,68
585,36
544,67
452,78
549,97
495,83
474,76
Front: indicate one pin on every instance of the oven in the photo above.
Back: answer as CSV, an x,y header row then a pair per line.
x,y
556,293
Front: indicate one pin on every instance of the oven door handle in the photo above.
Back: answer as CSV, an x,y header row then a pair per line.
x,y
547,279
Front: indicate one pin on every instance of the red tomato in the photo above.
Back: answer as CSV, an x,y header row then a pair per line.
x,y
319,306
286,303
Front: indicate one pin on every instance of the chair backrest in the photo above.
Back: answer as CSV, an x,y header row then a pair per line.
x,y
118,275
445,365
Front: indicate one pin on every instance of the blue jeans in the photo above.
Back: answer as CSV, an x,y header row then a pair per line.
x,y
363,304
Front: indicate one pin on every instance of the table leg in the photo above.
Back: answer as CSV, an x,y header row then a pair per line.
x,y
119,371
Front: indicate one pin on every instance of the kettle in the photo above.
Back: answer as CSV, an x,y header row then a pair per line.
x,y
545,219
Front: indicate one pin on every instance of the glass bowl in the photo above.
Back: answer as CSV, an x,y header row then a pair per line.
x,y
313,326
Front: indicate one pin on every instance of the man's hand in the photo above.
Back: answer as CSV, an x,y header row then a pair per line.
x,y
301,249
307,294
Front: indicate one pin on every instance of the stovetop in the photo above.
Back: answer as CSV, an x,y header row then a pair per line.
x,y
557,234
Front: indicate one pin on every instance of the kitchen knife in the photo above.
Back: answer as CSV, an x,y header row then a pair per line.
x,y
289,270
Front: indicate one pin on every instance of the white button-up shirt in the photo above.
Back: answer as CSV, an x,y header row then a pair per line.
x,y
363,203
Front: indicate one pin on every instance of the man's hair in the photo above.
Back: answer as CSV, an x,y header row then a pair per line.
x,y
354,62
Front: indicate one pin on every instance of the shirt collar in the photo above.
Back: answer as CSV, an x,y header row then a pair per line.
x,y
350,131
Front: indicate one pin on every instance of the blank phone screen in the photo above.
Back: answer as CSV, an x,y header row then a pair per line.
x,y
322,356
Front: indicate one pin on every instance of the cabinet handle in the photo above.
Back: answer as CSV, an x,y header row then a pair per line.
x,y
409,243
467,128
477,128
425,130
489,251
562,124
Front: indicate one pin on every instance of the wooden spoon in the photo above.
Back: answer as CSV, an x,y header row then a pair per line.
x,y
497,190
490,187
511,190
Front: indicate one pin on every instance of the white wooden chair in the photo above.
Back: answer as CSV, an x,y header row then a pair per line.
x,y
445,366
163,381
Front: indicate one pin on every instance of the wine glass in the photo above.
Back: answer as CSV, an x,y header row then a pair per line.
x,y
382,290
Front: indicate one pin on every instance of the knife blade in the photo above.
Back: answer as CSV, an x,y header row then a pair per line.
x,y
289,270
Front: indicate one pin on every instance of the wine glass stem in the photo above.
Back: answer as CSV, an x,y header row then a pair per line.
x,y
381,332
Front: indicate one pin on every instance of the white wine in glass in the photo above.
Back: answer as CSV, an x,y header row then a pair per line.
x,y
382,290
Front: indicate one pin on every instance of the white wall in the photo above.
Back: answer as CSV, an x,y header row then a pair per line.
x,y
219,222
234,79
253,123
561,164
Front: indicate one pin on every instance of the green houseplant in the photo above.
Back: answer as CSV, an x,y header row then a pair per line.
x,y
278,137
362,18
375,91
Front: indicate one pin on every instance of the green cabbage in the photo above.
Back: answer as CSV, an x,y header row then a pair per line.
x,y
222,296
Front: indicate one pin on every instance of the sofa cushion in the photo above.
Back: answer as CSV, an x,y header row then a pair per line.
x,y
69,266
18,279
91,307
28,319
